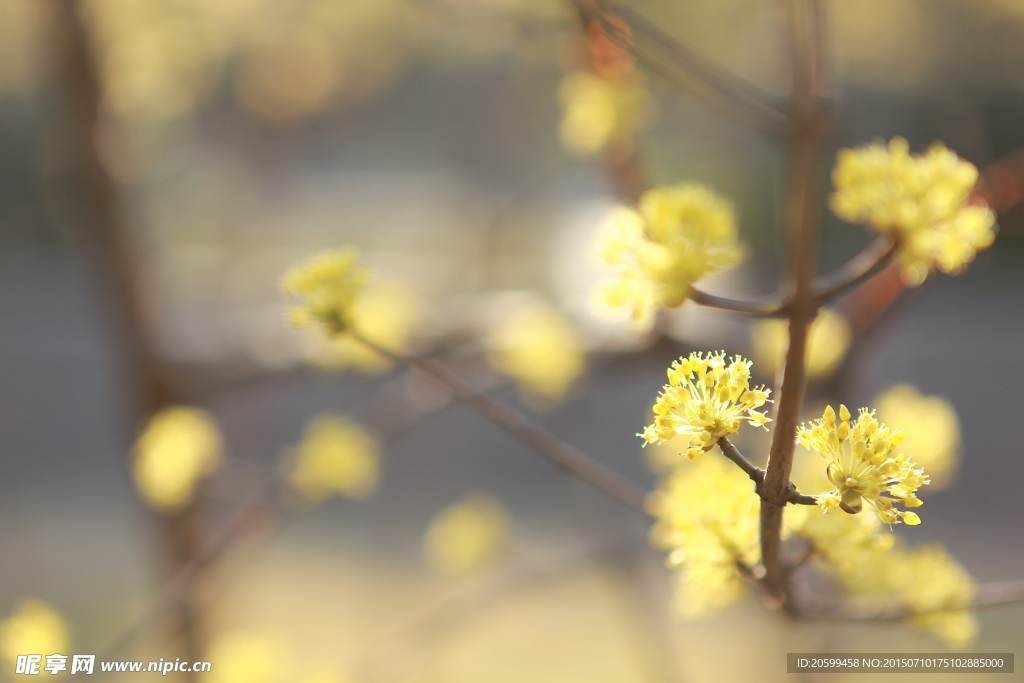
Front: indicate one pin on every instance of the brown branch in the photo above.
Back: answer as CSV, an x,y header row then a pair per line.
x,y
765,307
757,474
808,123
517,425
742,97
857,270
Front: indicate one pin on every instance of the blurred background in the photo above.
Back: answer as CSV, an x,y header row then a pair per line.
x,y
162,163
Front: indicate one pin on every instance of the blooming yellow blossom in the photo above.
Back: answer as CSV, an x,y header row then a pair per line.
x,y
327,286
923,201
600,114
335,456
707,517
705,400
937,590
677,235
539,349
247,657
861,465
932,428
827,342
178,447
385,313
465,535
34,627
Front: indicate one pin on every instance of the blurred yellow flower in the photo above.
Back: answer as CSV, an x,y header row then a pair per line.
x,y
707,518
677,235
386,314
827,343
937,589
539,349
931,426
247,657
34,628
335,457
705,400
466,535
601,115
923,201
861,465
178,447
327,284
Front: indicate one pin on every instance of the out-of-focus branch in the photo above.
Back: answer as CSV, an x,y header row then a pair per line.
x,y
257,512
99,208
995,594
686,67
765,307
567,457
857,270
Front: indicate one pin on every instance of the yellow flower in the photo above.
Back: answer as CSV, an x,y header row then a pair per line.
x,y
861,465
335,456
932,428
465,535
677,235
937,589
34,628
539,349
601,114
178,447
921,200
828,340
247,657
705,400
327,285
385,313
707,517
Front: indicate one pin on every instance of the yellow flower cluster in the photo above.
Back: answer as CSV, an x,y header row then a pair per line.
x,y
862,467
178,447
33,628
539,349
705,400
870,564
335,456
931,426
385,313
465,535
677,235
923,201
937,590
707,518
601,114
327,285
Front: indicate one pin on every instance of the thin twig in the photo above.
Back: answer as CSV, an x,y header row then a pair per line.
x,y
249,514
857,270
766,307
995,594
742,97
517,425
757,474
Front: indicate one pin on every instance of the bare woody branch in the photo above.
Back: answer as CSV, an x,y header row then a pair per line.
x,y
517,425
995,594
757,474
685,67
860,268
